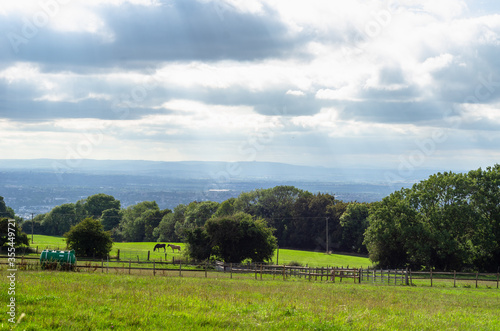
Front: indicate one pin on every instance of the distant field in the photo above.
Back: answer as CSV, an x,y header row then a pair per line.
x,y
100,301
134,249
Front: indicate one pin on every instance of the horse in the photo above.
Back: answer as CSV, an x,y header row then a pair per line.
x,y
174,247
159,246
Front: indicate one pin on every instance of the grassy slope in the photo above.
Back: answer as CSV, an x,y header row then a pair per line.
x,y
83,301
131,250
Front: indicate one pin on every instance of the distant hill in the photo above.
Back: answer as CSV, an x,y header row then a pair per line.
x,y
207,170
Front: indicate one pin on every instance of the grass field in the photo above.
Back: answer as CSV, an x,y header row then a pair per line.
x,y
134,249
96,301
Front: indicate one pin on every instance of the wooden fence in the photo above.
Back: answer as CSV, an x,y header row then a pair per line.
x,y
259,271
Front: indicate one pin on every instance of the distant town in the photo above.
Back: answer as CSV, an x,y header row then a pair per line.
x,y
34,187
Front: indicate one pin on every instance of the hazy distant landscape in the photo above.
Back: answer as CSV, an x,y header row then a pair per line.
x,y
36,186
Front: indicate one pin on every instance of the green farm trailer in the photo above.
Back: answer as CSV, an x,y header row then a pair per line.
x,y
50,259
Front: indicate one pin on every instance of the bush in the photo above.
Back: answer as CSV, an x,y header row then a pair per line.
x,y
88,238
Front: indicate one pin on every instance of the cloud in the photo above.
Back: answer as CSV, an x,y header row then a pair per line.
x,y
203,78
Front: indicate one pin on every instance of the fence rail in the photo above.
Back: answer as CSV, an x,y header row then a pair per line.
x,y
259,271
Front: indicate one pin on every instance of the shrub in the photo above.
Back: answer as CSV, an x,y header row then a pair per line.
x,y
88,238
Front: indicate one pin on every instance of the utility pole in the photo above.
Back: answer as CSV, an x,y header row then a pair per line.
x,y
32,228
327,235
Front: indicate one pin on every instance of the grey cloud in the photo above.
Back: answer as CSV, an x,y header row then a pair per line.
x,y
177,30
395,112
37,111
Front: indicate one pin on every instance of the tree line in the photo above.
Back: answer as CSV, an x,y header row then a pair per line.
x,y
299,218
450,221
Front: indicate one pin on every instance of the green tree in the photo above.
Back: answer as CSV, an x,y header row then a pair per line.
x,y
60,219
110,218
486,202
239,237
140,221
449,221
6,211
275,205
307,229
88,238
384,236
19,237
171,225
226,208
354,222
96,204
198,244
195,215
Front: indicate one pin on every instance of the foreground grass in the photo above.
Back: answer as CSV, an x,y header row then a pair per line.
x,y
81,301
131,250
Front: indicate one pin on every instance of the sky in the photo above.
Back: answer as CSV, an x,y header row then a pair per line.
x,y
403,85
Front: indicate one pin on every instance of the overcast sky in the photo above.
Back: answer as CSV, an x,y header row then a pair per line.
x,y
394,84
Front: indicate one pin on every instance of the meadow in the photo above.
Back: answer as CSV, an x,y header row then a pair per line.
x,y
99,301
132,250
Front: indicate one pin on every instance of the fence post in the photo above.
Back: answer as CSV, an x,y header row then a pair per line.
x,y
180,268
284,272
102,266
231,269
454,278
118,255
129,262
477,275
149,252
498,278
406,277
360,275
431,277
261,271
154,268
206,269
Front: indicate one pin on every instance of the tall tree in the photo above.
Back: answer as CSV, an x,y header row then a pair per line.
x,y
60,219
96,204
449,221
5,211
171,225
354,222
274,205
110,218
310,215
140,221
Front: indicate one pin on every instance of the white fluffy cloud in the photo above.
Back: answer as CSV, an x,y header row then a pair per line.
x,y
186,76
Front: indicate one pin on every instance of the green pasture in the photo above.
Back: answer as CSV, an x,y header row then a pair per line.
x,y
42,241
100,301
132,250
